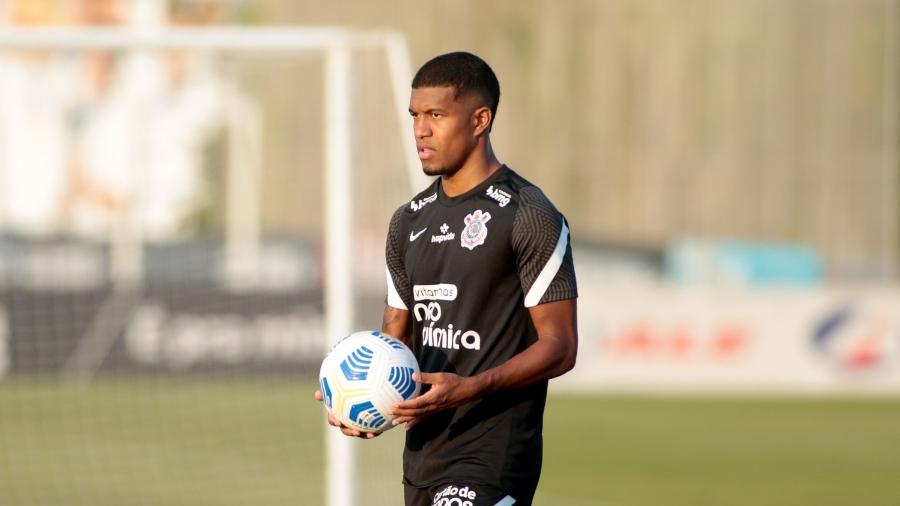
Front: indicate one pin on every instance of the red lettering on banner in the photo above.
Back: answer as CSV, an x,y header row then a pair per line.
x,y
679,341
867,352
729,341
634,339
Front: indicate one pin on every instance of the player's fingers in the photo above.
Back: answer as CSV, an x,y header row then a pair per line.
x,y
426,377
318,395
414,411
401,419
350,432
334,421
416,402
405,410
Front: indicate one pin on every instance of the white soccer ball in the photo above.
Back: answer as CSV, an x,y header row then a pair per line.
x,y
363,376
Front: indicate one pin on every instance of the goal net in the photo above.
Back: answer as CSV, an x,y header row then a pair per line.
x,y
187,217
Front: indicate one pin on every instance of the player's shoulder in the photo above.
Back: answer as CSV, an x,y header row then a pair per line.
x,y
424,198
528,196
412,206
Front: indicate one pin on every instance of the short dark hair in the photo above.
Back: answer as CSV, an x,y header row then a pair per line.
x,y
469,74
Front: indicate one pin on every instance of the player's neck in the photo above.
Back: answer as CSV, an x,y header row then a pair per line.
x,y
478,167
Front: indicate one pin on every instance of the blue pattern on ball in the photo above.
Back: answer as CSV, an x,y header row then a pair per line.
x,y
401,379
366,415
326,392
356,366
392,342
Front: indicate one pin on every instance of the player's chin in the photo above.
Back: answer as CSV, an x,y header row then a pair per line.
x,y
434,170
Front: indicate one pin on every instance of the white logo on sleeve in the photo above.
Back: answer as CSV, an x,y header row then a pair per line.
x,y
413,237
476,229
415,206
499,195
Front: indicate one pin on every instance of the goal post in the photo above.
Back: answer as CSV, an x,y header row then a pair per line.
x,y
242,231
338,262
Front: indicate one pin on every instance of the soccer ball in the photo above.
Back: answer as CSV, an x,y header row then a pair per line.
x,y
363,376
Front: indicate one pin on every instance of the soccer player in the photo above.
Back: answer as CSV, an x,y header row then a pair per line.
x,y
481,286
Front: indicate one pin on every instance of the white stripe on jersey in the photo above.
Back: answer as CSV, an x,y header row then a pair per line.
x,y
506,501
393,298
550,269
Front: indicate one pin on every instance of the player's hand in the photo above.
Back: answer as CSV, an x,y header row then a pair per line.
x,y
347,431
447,391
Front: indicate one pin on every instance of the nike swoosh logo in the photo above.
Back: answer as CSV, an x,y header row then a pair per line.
x,y
413,237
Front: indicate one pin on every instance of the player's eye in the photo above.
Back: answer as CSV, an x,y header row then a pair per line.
x,y
436,115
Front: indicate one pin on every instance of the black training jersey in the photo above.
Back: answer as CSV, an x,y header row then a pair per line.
x,y
468,268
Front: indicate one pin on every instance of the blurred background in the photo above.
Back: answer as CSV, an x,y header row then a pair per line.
x,y
730,171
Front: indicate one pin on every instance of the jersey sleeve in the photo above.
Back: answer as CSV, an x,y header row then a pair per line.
x,y
398,289
540,240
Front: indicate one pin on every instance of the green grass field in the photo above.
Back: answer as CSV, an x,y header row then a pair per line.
x,y
259,442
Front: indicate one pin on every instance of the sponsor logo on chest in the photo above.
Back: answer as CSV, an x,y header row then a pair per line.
x,y
443,291
428,312
446,235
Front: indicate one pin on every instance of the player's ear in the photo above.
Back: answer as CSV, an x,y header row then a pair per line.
x,y
481,120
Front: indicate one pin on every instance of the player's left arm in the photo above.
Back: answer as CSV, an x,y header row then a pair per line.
x,y
552,355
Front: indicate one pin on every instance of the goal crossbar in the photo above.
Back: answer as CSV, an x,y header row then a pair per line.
x,y
232,39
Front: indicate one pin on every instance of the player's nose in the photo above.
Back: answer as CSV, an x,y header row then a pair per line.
x,y
421,129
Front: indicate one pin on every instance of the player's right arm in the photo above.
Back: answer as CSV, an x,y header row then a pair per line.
x,y
396,323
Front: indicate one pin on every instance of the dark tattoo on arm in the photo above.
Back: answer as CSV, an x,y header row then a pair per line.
x,y
395,322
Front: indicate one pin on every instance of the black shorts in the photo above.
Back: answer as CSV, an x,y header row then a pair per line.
x,y
462,493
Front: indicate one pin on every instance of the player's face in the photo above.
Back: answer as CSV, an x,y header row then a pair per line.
x,y
445,129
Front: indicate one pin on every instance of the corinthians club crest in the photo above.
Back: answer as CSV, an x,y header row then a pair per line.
x,y
476,229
